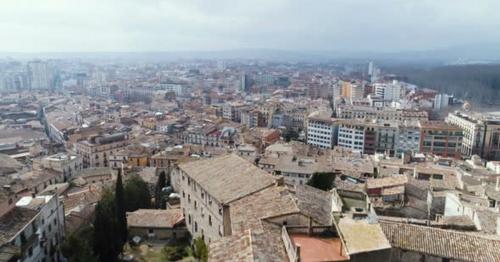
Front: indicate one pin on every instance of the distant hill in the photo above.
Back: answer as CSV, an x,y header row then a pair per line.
x,y
477,53
479,83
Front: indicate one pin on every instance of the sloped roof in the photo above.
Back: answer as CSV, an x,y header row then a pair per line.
x,y
15,220
154,218
386,181
442,243
249,246
249,212
228,177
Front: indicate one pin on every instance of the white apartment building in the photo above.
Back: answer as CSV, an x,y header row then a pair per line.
x,y
232,111
481,134
389,91
473,132
441,101
39,75
351,136
176,88
384,113
36,226
208,187
320,130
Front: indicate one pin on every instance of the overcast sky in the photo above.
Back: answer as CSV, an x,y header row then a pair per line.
x,y
171,25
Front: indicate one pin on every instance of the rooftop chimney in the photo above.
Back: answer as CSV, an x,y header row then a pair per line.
x,y
280,181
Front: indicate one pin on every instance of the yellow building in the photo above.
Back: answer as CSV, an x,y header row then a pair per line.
x,y
346,89
149,123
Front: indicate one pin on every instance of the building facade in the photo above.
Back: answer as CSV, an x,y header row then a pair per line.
x,y
321,130
351,136
481,135
95,152
408,138
442,139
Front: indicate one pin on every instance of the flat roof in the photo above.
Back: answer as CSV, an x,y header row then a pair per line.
x,y
315,248
360,236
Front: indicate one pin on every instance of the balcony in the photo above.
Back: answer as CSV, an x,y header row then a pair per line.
x,y
313,244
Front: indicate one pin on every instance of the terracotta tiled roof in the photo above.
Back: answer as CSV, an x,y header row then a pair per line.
x,y
154,218
228,177
442,243
250,246
386,181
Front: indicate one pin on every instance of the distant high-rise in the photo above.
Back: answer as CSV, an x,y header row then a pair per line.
x,y
373,72
39,75
221,65
245,83
441,101
388,91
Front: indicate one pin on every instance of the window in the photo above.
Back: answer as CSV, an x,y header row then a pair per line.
x,y
195,227
210,220
189,219
151,231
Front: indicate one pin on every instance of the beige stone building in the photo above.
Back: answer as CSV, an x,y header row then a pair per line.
x,y
208,187
96,151
226,196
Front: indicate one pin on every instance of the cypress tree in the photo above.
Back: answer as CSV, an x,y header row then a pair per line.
x,y
159,203
120,210
106,246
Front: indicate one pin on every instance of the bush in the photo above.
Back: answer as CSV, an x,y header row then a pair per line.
x,y
200,249
174,253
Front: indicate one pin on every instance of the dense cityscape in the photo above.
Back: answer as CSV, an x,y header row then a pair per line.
x,y
263,130
242,160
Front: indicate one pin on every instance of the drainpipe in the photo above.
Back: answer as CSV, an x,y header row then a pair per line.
x,y
309,227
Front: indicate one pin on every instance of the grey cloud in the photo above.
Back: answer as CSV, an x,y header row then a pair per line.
x,y
127,25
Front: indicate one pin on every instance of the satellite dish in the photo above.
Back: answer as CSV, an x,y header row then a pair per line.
x,y
467,107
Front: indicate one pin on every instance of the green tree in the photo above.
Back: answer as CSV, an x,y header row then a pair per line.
x,y
137,194
322,180
120,209
107,244
159,202
290,135
78,246
200,249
